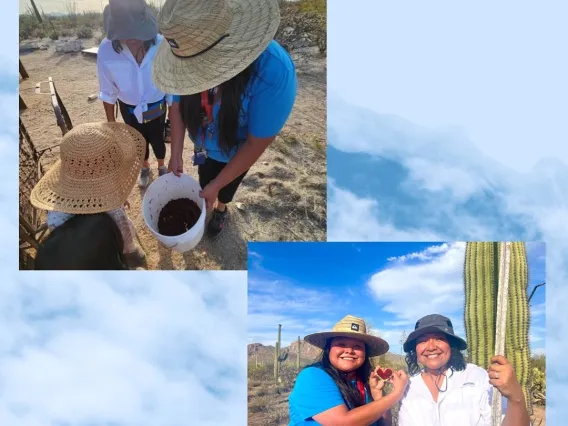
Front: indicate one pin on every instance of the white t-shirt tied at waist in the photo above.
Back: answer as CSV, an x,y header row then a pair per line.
x,y
120,77
466,401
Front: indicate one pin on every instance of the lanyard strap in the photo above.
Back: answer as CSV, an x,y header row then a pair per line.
x,y
208,99
207,105
361,388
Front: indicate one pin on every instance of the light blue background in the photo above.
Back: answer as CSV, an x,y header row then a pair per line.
x,y
447,122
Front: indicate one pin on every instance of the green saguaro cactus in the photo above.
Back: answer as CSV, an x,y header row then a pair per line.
x,y
278,356
481,278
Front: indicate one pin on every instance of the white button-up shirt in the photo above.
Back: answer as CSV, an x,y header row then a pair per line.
x,y
466,402
120,77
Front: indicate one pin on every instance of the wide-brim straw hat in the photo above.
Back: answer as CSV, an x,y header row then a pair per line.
x,y
354,327
129,19
207,42
97,169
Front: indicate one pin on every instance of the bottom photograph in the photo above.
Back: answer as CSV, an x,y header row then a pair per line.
x,y
408,334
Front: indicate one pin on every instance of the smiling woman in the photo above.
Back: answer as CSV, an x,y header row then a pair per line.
x,y
342,387
449,391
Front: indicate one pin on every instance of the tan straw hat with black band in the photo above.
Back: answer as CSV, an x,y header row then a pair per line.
x,y
207,42
353,327
98,167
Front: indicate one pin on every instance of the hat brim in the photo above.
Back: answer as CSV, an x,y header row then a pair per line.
x,y
249,35
376,346
411,340
60,192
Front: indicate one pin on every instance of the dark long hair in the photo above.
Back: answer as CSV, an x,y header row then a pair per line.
x,y
84,242
229,112
455,363
350,393
117,46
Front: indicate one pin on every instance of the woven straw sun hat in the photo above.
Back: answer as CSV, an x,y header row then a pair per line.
x,y
208,42
350,326
97,169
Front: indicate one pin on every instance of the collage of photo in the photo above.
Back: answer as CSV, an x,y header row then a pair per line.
x,y
350,212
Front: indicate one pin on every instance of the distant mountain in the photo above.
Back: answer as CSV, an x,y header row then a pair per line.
x,y
308,353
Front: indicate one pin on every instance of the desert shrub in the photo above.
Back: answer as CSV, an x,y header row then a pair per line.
x,y
277,416
260,404
54,35
261,373
65,32
318,6
39,33
539,361
84,32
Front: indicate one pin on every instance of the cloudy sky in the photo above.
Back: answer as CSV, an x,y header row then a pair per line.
x,y
308,287
490,70
123,349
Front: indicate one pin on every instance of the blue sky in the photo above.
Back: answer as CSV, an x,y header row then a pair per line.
x,y
488,70
307,287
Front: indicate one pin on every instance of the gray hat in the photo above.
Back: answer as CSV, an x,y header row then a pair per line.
x,y
129,19
433,324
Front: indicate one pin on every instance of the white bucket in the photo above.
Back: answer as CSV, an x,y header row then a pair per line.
x,y
164,189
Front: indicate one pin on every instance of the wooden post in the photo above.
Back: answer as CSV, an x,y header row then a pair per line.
x,y
22,103
23,71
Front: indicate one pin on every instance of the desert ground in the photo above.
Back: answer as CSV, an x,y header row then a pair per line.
x,y
283,197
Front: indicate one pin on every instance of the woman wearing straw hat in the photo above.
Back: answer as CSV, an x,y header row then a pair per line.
x,y
342,387
236,88
124,62
449,391
95,173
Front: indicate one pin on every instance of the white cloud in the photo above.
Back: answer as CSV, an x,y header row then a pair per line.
x,y
425,254
351,218
125,349
410,291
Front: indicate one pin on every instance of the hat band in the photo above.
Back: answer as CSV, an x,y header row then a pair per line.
x,y
204,50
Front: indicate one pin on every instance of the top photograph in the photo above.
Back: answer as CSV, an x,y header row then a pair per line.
x,y
166,135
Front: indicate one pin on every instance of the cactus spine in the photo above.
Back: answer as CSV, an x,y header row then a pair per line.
x,y
481,278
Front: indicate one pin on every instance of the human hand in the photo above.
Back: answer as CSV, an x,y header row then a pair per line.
x,y
502,376
376,384
399,380
175,165
210,193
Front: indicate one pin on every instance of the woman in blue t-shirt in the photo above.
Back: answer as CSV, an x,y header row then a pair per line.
x,y
236,87
342,387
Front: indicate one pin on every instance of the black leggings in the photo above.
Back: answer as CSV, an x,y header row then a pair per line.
x,y
210,170
153,131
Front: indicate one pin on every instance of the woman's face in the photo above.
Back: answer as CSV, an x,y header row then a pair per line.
x,y
346,354
433,350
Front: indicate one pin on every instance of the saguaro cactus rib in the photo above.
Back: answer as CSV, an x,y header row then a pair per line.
x,y
481,277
